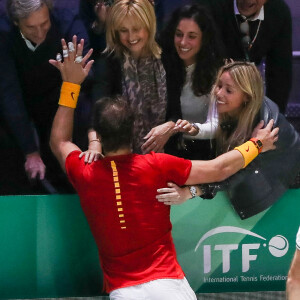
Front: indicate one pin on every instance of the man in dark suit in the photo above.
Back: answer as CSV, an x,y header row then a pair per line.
x,y
29,85
255,30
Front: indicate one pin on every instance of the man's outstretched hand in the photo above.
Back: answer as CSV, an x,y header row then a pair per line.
x,y
73,68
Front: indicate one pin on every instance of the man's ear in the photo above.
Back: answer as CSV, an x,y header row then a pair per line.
x,y
16,23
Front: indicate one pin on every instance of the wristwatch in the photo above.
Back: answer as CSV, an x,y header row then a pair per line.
x,y
258,144
196,127
193,191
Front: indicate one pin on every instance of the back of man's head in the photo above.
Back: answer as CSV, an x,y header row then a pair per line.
x,y
113,120
21,9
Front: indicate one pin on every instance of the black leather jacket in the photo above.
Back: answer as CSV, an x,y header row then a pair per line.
x,y
264,180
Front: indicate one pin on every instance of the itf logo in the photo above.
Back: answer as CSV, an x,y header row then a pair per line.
x,y
278,246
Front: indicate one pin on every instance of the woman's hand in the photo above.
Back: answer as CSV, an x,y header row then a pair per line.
x,y
186,127
173,194
268,135
91,155
95,149
74,67
158,137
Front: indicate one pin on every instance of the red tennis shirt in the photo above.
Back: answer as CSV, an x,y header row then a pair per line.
x,y
131,228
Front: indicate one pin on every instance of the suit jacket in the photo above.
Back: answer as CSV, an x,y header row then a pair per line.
x,y
273,43
29,85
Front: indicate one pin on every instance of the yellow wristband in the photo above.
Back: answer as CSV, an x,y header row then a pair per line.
x,y
69,94
249,152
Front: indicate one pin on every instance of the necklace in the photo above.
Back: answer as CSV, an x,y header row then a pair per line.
x,y
253,40
244,29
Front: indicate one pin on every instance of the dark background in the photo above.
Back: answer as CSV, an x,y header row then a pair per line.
x,y
293,108
170,5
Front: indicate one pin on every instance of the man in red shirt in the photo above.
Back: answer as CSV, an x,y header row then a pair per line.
x,y
117,193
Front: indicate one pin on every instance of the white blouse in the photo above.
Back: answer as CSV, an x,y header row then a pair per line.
x,y
196,109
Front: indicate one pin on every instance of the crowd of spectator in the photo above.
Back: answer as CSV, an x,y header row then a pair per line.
x,y
192,44
191,80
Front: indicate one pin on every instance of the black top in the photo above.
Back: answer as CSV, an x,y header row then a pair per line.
x,y
256,187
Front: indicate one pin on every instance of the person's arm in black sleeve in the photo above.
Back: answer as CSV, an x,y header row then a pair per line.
x,y
12,105
86,13
279,63
14,112
174,89
95,27
174,74
108,77
106,82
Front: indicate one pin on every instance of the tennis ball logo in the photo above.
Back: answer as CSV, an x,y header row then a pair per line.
x,y
278,246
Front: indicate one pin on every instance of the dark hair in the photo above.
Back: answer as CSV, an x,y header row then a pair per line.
x,y
113,120
209,58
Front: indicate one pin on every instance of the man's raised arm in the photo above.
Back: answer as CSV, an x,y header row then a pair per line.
x,y
74,70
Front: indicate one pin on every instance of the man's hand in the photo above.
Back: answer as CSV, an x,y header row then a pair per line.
x,y
268,136
91,155
74,68
34,166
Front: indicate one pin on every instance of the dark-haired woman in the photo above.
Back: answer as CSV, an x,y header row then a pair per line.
x,y
191,56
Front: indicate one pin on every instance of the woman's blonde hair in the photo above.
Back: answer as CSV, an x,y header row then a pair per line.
x,y
248,79
141,12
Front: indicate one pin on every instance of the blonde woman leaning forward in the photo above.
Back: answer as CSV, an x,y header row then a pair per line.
x,y
191,57
238,96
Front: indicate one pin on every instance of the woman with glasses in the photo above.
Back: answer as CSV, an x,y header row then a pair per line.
x,y
191,57
238,95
